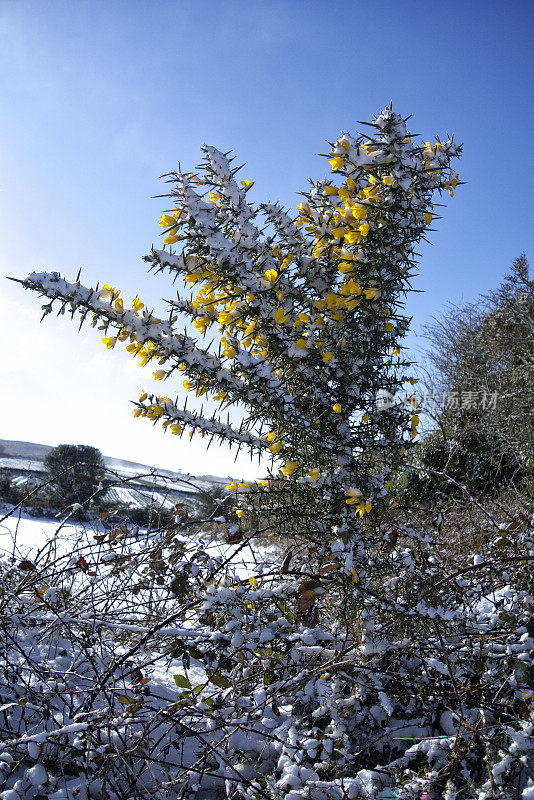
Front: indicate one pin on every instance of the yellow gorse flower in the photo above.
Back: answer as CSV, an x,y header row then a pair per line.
x,y
289,467
353,496
363,508
166,221
371,293
336,163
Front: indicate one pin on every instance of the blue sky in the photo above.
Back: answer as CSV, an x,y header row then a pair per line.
x,y
100,98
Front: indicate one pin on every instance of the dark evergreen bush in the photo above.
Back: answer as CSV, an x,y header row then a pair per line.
x,y
76,469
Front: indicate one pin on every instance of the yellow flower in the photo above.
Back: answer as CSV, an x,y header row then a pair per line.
x,y
105,291
354,496
159,374
365,417
329,189
137,304
351,184
364,229
336,162
327,357
275,448
289,467
302,344
332,301
396,351
271,275
315,472
363,508
137,412
428,218
280,316
110,342
247,183
166,221
187,385
176,429
353,237
232,487
171,239
388,326
338,233
143,397
337,408
350,288
371,293
201,323
359,212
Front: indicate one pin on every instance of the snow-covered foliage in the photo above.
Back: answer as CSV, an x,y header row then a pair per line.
x,y
362,663
159,666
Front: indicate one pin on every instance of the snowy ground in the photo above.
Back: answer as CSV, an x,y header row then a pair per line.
x,y
21,535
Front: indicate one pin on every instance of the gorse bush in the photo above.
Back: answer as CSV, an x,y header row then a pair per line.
x,y
308,313
362,663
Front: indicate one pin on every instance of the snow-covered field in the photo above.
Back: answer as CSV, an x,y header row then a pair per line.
x,y
21,534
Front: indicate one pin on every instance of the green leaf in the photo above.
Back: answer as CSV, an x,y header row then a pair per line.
x,y
181,680
125,701
220,680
